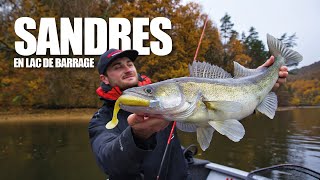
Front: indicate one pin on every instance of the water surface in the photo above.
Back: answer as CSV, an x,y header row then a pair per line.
x,y
293,136
60,150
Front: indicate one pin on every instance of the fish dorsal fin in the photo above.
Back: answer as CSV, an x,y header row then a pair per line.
x,y
277,48
269,105
204,136
241,71
206,70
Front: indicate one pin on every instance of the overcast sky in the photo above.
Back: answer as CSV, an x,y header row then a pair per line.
x,y
274,17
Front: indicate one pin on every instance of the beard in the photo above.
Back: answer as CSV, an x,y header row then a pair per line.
x,y
124,84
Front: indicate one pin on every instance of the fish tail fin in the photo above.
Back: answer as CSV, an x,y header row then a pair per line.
x,y
277,48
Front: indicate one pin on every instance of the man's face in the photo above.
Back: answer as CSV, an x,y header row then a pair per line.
x,y
122,73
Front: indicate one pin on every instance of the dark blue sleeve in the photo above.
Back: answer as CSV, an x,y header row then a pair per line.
x,y
116,151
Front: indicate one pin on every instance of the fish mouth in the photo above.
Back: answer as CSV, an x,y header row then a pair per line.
x,y
140,110
130,100
137,100
134,94
140,106
138,103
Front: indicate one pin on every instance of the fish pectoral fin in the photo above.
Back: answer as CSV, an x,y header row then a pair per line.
x,y
204,136
269,105
187,127
226,106
231,128
188,111
241,71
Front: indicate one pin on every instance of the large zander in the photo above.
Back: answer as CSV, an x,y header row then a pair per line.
x,y
211,99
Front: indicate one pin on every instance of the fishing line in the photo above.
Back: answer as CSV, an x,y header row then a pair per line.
x,y
171,136
174,122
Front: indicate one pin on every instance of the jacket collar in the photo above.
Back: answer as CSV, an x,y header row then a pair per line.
x,y
105,91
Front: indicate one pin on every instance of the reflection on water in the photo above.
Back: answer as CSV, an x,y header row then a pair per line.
x,y
46,151
61,150
292,137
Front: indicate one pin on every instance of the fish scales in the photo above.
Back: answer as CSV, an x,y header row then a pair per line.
x,y
211,99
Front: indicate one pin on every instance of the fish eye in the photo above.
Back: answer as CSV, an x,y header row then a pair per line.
x,y
148,90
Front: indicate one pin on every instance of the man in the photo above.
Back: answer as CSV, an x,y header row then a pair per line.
x,y
134,148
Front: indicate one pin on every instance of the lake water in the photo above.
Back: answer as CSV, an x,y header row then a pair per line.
x,y
60,150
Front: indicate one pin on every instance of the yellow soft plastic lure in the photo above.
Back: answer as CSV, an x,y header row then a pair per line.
x,y
125,100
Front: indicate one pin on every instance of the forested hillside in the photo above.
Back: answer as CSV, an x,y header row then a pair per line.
x,y
69,88
304,85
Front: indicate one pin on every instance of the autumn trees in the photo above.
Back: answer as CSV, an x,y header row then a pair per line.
x,y
56,88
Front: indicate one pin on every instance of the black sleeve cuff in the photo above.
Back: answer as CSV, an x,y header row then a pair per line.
x,y
148,144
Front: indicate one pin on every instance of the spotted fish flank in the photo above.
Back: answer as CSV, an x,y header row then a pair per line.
x,y
211,99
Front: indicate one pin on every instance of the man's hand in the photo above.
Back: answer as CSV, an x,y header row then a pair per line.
x,y
283,72
143,127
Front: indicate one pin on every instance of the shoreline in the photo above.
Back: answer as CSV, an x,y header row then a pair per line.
x,y
72,114
47,115
286,108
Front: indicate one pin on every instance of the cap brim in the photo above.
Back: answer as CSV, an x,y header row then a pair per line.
x,y
131,54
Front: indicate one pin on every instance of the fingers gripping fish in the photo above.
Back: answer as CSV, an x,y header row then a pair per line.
x,y
211,99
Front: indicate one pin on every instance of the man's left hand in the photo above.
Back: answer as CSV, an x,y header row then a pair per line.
x,y
283,72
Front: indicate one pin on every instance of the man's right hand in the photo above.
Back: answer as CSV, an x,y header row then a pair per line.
x,y
143,126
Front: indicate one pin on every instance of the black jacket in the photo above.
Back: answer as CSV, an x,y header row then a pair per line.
x,y
121,156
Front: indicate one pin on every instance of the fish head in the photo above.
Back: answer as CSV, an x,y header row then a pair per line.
x,y
157,98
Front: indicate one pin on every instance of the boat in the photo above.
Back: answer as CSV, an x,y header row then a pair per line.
x,y
200,169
